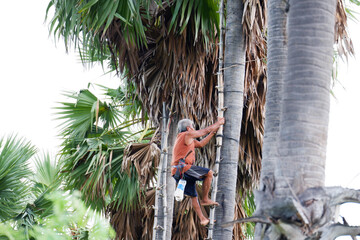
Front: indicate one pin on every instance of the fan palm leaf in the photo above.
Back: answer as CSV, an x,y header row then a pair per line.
x,y
111,170
126,98
89,148
46,170
134,219
14,172
45,180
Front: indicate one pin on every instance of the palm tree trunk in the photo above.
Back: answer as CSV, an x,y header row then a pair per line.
x,y
170,182
303,122
234,67
160,219
306,101
276,64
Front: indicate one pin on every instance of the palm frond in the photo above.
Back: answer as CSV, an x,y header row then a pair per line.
x,y
85,115
46,170
137,222
126,98
252,129
203,12
145,158
84,22
14,172
93,156
342,40
46,179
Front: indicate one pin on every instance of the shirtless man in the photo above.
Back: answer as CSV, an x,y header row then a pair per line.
x,y
185,145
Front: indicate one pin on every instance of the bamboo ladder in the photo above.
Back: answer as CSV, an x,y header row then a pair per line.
x,y
221,110
160,209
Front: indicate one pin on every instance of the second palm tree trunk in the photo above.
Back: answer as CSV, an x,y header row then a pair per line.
x,y
234,67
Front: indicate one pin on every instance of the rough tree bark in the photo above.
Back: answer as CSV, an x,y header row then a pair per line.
x,y
276,64
170,182
306,96
160,216
234,67
293,203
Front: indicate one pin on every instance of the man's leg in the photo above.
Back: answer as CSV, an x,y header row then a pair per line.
x,y
203,220
206,201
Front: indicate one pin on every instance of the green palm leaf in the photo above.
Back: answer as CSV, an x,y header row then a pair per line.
x,y
85,115
14,172
46,170
86,22
45,180
92,152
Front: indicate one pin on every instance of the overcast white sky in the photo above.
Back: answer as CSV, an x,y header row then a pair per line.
x,y
33,73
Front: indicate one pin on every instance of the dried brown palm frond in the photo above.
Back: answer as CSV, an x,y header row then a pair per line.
x,y
176,69
137,222
174,66
145,157
239,214
186,224
148,214
343,42
126,223
124,53
252,129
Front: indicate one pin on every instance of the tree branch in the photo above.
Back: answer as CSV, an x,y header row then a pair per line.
x,y
336,230
339,195
256,219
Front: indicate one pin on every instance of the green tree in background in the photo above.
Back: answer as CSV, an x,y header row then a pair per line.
x,y
14,192
110,159
32,203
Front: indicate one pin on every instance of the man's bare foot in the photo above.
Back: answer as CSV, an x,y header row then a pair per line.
x,y
209,203
204,222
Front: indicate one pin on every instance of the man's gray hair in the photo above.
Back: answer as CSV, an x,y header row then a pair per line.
x,y
183,124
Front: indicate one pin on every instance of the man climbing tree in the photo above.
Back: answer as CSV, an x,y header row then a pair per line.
x,y
184,158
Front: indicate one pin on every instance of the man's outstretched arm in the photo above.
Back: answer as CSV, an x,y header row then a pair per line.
x,y
191,134
203,142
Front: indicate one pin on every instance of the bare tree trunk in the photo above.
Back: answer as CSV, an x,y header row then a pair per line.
x,y
170,181
234,67
160,216
296,205
297,195
306,96
276,64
